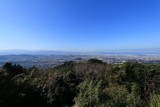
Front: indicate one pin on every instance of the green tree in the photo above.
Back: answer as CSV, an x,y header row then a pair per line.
x,y
89,94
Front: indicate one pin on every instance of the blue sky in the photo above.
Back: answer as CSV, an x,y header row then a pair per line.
x,y
79,25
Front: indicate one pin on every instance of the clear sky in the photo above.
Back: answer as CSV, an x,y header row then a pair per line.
x,y
79,24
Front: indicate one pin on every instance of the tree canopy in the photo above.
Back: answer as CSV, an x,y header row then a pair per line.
x,y
81,84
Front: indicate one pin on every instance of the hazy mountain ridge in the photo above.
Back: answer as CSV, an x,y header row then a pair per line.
x,y
54,52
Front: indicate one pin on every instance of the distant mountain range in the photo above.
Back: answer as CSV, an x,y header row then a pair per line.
x,y
50,52
36,52
133,51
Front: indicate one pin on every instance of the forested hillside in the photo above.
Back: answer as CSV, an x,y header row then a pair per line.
x,y
91,83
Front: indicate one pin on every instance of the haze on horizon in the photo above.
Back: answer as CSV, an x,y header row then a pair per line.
x,y
79,25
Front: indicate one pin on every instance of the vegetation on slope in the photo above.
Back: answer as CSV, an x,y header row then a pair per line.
x,y
91,83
